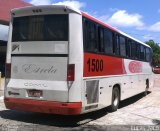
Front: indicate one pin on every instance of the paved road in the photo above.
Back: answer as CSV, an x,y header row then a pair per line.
x,y
138,110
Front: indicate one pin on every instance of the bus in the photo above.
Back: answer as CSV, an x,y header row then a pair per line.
x,y
63,61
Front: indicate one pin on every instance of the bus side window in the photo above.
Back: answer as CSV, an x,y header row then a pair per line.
x,y
137,51
90,41
128,48
142,52
133,50
92,37
151,55
101,47
85,34
144,59
108,41
116,47
147,54
122,46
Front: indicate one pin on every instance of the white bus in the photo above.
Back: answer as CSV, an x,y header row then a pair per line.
x,y
63,61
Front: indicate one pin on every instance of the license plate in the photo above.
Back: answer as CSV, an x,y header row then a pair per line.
x,y
34,93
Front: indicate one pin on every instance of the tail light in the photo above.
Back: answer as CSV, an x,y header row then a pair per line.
x,y
70,72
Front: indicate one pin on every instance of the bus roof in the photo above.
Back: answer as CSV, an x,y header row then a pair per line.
x,y
46,8
71,9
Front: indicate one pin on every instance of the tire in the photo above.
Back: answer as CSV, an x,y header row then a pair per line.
x,y
115,99
146,89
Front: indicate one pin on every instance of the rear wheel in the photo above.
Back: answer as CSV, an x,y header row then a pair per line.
x,y
115,99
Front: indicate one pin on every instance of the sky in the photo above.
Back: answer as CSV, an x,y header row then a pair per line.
x,y
4,32
138,18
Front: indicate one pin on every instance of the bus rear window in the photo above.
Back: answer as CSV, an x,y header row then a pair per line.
x,y
40,28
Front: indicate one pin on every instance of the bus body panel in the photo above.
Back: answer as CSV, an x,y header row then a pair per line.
x,y
43,68
39,68
127,89
47,47
130,75
47,74
52,90
50,107
76,56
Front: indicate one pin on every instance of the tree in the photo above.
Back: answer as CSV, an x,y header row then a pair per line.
x,y
156,52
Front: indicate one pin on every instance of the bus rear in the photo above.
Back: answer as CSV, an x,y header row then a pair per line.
x,y
40,74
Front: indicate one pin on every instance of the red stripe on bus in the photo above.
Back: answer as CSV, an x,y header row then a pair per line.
x,y
99,22
63,108
102,65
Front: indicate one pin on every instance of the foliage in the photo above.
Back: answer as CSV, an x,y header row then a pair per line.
x,y
156,52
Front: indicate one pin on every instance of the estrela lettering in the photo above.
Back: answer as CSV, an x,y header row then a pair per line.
x,y
32,68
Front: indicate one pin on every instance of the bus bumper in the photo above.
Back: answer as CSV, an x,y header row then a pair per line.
x,y
43,106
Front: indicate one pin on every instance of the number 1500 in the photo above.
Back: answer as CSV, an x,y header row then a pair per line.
x,y
95,65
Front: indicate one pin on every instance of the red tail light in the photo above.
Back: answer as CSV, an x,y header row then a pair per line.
x,y
8,70
70,72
